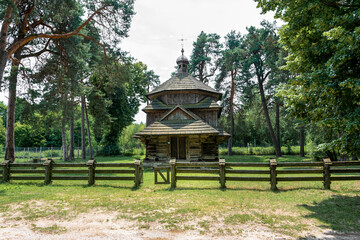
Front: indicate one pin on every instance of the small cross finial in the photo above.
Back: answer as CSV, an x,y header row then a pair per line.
x,y
182,45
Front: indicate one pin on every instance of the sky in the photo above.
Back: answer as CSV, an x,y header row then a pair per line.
x,y
158,26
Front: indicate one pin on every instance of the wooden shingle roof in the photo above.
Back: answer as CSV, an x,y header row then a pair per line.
x,y
180,127
182,82
207,103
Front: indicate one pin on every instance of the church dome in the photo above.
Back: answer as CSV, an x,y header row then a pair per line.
x,y
182,63
182,59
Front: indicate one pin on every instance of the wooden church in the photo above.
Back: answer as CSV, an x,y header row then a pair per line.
x,y
182,119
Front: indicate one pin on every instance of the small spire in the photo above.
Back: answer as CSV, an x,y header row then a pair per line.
x,y
182,50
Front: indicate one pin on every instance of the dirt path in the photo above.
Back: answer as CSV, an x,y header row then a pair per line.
x,y
106,225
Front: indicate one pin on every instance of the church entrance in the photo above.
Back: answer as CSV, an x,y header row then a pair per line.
x,y
178,147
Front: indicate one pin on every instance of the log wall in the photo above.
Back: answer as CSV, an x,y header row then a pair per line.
x,y
197,148
181,98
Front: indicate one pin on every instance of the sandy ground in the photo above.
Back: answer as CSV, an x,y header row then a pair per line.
x,y
106,225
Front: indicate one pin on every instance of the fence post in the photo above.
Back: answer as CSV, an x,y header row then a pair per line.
x,y
48,164
91,164
327,164
137,172
273,174
6,170
173,173
222,173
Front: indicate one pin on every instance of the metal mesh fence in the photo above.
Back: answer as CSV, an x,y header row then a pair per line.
x,y
28,153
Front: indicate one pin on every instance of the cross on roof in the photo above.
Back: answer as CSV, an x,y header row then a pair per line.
x,y
182,44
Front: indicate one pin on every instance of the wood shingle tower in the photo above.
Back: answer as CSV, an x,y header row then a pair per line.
x,y
182,119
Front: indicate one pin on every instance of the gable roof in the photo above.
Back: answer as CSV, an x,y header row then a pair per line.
x,y
183,81
190,114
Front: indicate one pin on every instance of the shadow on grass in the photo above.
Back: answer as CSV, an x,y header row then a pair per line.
x,y
339,213
57,185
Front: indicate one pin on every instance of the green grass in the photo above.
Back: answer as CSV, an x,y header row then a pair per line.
x,y
296,208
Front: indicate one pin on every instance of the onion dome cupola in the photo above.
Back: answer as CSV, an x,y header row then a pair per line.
x,y
182,63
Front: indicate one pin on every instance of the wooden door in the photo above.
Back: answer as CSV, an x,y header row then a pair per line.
x,y
174,147
182,148
178,147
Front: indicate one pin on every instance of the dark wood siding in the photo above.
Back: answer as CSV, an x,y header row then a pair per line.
x,y
154,116
181,98
209,116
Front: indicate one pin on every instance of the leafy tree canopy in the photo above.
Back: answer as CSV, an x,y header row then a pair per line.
x,y
322,38
204,59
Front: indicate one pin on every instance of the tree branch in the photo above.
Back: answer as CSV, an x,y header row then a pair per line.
x,y
16,45
40,52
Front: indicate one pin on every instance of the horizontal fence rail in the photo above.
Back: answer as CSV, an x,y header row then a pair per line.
x,y
275,172
91,171
222,171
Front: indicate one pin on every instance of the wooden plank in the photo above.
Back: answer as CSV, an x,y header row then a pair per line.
x,y
69,178
34,165
114,171
69,165
197,164
349,163
27,171
198,178
70,171
114,178
291,179
236,171
299,164
215,171
27,177
255,179
344,178
247,164
298,171
345,170
115,165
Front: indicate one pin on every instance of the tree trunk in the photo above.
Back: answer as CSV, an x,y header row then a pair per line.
x,y
233,74
277,125
267,117
302,141
10,122
3,40
72,141
63,134
83,146
88,130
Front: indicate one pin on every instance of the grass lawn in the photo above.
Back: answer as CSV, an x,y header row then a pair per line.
x,y
297,210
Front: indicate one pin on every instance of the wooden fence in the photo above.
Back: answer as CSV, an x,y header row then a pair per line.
x,y
91,171
272,171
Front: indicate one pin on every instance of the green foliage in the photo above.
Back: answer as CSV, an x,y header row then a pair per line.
x,y
2,133
26,136
117,100
127,141
204,59
3,110
322,39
